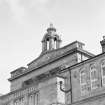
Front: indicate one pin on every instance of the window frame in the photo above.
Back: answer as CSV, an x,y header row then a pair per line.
x,y
84,84
34,98
102,76
93,79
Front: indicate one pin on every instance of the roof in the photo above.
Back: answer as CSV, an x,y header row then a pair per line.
x,y
86,61
59,52
51,56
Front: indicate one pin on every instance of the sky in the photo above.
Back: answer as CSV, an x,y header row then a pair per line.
x,y
23,24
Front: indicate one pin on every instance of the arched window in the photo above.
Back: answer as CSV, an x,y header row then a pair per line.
x,y
83,82
33,99
103,72
48,44
55,43
93,76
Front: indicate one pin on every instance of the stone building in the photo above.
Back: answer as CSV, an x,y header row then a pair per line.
x,y
60,75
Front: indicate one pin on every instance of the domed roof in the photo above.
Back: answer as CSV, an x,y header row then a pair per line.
x,y
51,33
45,37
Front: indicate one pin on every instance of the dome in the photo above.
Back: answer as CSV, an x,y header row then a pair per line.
x,y
51,28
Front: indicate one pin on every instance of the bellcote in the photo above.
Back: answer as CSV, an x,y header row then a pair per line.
x,y
51,40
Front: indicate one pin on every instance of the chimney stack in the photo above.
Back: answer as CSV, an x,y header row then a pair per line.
x,y
103,44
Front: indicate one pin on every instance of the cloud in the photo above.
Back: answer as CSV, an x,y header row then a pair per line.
x,y
43,1
22,10
1,1
42,5
18,11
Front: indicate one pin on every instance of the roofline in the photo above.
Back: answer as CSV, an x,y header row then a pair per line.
x,y
60,49
70,68
18,69
85,61
70,52
55,59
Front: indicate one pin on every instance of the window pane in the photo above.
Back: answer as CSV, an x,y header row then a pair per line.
x,y
36,99
93,75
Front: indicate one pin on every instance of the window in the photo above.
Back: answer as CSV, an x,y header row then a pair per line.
x,y
21,101
93,76
16,102
103,72
33,99
55,43
83,77
83,82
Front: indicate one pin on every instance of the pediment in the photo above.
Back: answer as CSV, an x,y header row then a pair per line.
x,y
45,58
54,54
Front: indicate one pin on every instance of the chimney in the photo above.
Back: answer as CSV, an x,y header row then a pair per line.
x,y
103,44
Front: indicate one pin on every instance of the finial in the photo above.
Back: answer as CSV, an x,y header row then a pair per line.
x,y
51,28
103,37
51,25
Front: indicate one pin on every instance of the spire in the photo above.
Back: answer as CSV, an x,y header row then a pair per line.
x,y
51,25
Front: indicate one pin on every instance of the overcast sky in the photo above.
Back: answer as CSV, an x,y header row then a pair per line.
x,y
24,22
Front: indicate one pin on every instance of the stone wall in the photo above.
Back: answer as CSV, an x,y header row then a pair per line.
x,y
75,75
69,60
45,93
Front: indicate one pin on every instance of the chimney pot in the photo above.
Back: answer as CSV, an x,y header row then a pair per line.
x,y
103,44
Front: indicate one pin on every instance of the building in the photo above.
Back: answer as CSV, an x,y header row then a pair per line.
x,y
60,75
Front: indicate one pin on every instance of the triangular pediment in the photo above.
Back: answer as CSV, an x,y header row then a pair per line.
x,y
49,56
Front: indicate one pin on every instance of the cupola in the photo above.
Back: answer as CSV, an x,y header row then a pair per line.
x,y
51,40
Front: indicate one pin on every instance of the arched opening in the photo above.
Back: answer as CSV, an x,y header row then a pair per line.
x,y
48,43
55,43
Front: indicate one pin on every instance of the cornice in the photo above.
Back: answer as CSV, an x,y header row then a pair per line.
x,y
86,61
